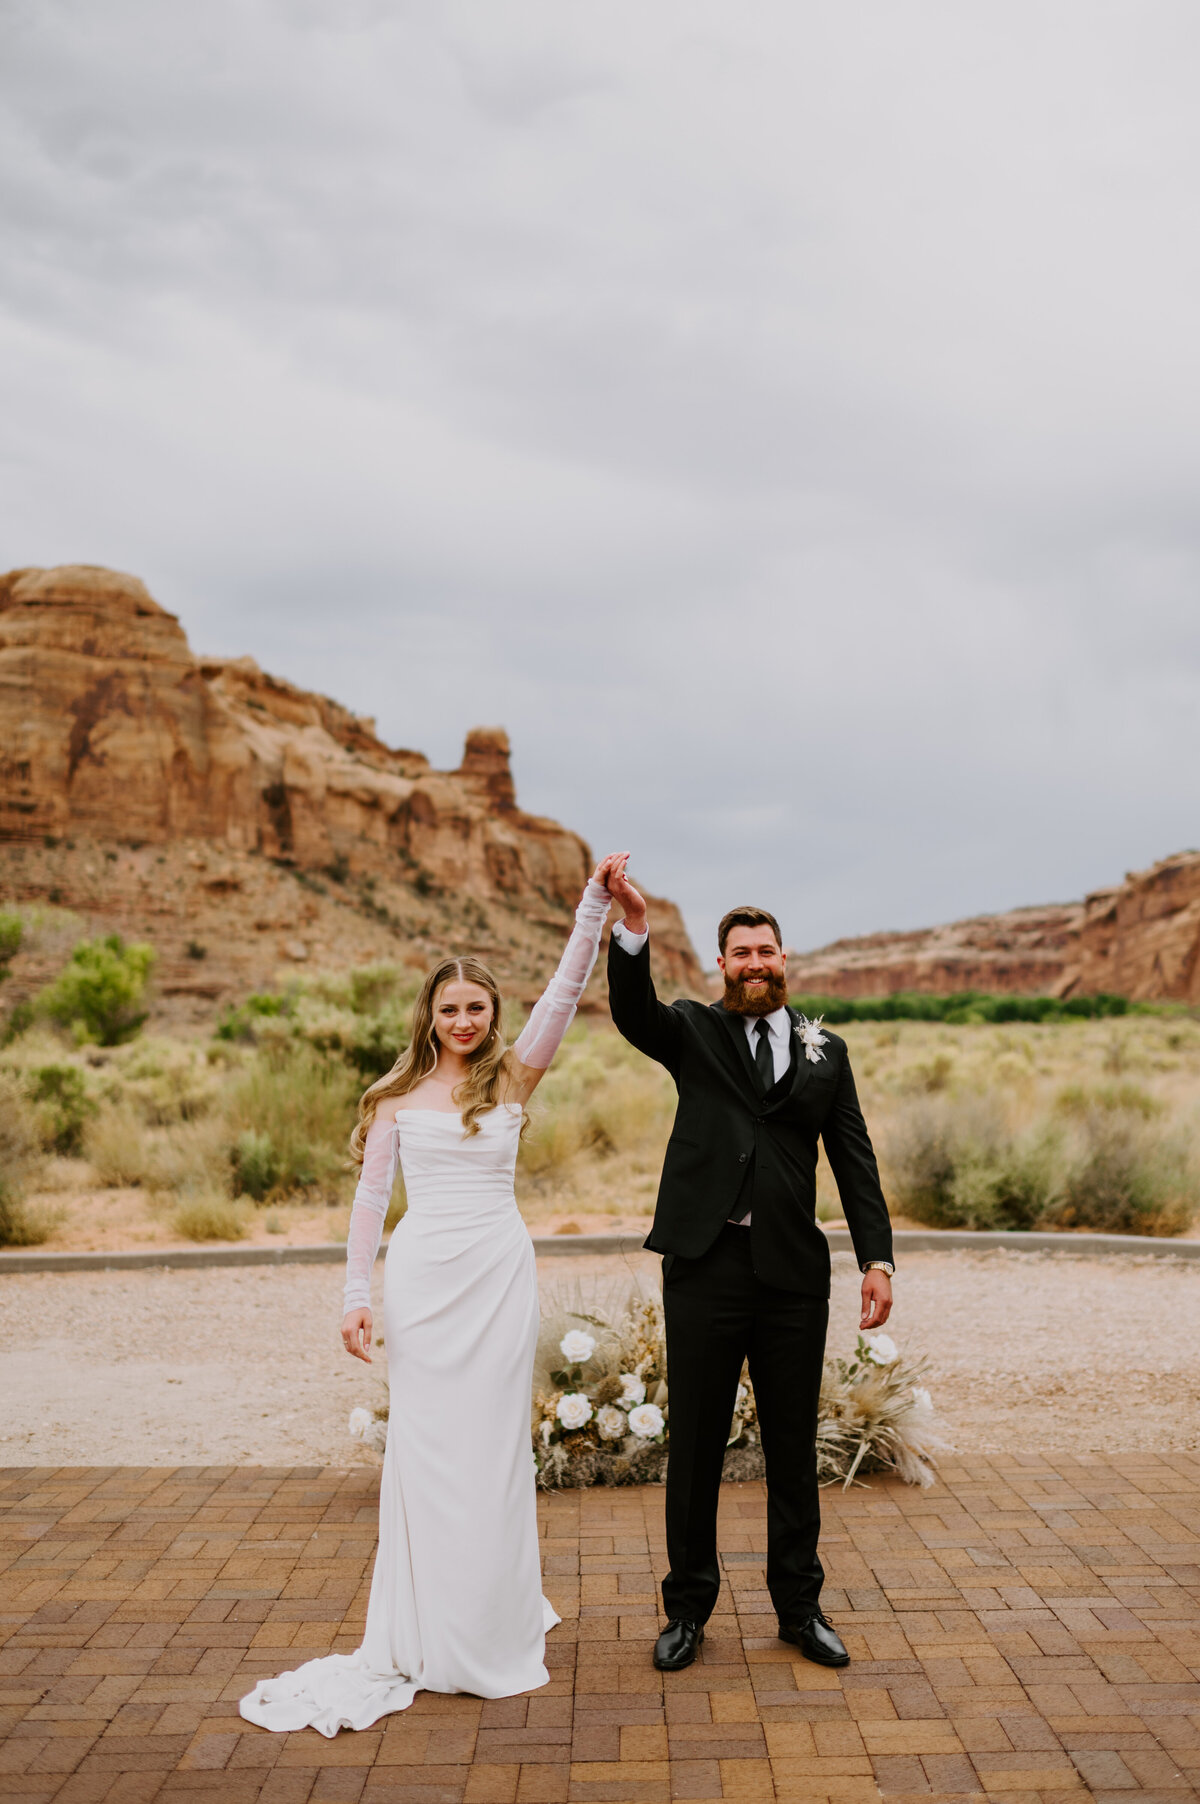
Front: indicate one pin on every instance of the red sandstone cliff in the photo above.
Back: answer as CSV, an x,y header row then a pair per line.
x,y
116,742
1139,939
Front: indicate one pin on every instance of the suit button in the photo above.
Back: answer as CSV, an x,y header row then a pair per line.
x,y
742,1157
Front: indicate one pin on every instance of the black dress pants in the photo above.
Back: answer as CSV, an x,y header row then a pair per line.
x,y
719,1313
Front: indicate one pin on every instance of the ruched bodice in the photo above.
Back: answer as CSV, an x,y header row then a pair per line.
x,y
455,1177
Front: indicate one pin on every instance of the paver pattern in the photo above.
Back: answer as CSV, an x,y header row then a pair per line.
x,y
1023,1631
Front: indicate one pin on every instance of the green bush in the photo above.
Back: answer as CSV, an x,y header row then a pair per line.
x,y
1127,1178
964,1008
377,1042
165,1081
1079,1101
955,1163
12,929
20,1151
255,1165
239,1023
209,1217
99,993
304,1105
60,1096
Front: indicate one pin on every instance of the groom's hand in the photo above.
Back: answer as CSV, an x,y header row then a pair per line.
x,y
624,894
876,1299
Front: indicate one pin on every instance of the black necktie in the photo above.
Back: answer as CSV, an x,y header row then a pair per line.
x,y
764,1058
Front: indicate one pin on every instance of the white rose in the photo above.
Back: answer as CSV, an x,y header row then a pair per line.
x,y
921,1398
360,1421
573,1410
611,1423
576,1347
646,1421
632,1390
883,1350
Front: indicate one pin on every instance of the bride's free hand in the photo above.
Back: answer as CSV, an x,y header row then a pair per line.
x,y
356,1333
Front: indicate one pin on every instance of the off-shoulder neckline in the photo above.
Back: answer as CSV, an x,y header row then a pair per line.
x,y
449,1114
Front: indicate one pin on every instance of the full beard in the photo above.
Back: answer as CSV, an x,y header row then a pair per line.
x,y
762,997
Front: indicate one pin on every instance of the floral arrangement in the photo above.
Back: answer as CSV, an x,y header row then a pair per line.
x,y
601,1411
370,1427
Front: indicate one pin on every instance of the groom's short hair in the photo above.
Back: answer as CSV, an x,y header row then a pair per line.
x,y
747,917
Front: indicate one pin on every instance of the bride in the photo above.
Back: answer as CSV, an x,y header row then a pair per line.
x,y
456,1597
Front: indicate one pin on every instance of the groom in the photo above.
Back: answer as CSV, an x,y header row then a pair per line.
x,y
745,1266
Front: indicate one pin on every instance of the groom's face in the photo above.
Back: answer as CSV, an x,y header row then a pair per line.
x,y
755,970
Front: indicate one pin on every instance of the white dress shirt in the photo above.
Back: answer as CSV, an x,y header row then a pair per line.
x,y
778,1021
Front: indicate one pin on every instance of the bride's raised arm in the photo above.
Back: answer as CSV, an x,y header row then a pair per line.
x,y
554,1011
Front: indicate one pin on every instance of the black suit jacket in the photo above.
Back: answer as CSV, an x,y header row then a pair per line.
x,y
727,1134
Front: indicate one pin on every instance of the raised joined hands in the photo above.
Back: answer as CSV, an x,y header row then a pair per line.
x,y
611,873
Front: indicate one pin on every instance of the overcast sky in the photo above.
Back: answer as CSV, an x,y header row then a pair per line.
x,y
784,418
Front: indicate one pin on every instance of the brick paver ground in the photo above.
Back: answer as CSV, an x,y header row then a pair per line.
x,y
1024,1631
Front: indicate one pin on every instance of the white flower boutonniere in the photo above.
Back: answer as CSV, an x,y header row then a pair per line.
x,y
811,1038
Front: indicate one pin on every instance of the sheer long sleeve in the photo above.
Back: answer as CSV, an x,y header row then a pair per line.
x,y
371,1201
554,1012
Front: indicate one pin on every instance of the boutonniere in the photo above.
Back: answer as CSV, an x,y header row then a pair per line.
x,y
811,1037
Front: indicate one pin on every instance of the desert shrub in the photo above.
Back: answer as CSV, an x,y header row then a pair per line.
x,y
598,1098
117,1147
965,1008
20,1160
929,1076
125,1153
305,1105
1081,1100
163,1081
99,993
63,1106
255,1165
240,1023
209,1216
361,1016
956,1163
377,1041
1128,1178
12,930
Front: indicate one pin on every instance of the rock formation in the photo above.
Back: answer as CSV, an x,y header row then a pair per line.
x,y
116,737
1139,939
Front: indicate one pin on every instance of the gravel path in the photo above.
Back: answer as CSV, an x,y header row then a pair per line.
x,y
1025,1352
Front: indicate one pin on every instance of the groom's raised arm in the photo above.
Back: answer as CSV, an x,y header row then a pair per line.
x,y
639,1016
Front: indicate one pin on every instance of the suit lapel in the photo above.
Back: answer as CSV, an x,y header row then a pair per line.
x,y
739,1045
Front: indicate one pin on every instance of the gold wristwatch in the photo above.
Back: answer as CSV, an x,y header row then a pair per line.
x,y
880,1265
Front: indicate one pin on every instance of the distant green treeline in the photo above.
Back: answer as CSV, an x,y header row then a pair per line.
x,y
963,1007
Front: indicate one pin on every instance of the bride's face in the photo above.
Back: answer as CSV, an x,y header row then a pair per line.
x,y
462,1017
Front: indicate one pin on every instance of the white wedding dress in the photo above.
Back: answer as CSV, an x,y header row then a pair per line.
x,y
456,1597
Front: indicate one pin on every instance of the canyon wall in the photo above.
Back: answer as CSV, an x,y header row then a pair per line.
x,y
119,746
1140,939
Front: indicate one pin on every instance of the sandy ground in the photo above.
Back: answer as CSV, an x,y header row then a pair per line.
x,y
1024,1352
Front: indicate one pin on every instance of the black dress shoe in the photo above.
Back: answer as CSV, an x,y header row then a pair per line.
x,y
816,1640
676,1646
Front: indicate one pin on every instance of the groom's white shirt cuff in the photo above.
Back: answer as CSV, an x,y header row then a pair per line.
x,y
629,942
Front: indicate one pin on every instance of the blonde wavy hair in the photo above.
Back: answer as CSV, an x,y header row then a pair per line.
x,y
489,1064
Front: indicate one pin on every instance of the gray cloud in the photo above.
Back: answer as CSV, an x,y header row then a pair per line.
x,y
783,419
